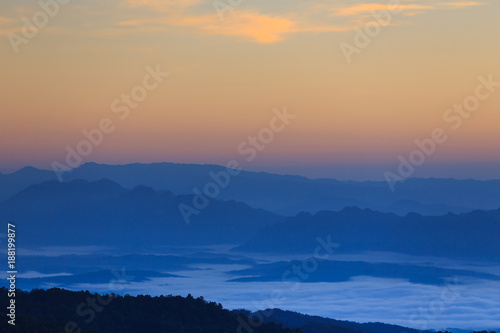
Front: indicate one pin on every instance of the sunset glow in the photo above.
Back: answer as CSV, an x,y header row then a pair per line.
x,y
230,65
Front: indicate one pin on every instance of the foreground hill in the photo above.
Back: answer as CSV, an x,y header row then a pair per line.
x,y
285,195
315,324
466,236
57,310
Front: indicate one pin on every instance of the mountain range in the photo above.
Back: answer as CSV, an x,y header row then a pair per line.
x,y
82,213
281,194
102,213
464,236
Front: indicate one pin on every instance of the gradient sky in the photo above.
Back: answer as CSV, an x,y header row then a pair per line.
x,y
226,76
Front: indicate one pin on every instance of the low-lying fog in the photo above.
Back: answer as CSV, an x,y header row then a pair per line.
x,y
465,303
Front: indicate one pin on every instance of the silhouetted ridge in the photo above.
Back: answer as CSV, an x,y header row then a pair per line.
x,y
107,214
282,194
316,324
53,191
471,235
50,310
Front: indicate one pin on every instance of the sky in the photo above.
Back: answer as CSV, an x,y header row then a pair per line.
x,y
360,90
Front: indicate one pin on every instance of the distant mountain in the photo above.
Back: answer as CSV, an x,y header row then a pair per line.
x,y
52,194
103,213
289,195
466,236
284,195
403,207
458,330
315,324
14,182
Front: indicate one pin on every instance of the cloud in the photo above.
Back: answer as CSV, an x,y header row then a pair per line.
x,y
8,26
254,22
374,7
463,4
6,21
265,28
361,12
163,5
248,24
258,27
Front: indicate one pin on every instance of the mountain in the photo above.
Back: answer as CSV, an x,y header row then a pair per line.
x,y
289,195
12,183
103,213
86,312
315,324
57,310
281,194
471,235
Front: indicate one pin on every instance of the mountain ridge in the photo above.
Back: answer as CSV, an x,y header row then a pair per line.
x,y
283,194
94,213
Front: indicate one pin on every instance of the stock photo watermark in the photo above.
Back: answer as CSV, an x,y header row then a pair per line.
x,y
249,148
372,29
11,272
122,106
92,305
454,117
296,275
449,294
40,19
223,6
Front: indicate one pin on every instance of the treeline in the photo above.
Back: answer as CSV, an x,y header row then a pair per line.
x,y
61,311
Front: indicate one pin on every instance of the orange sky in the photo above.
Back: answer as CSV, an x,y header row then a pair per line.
x,y
226,76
